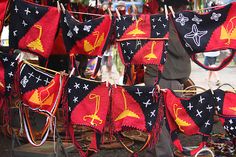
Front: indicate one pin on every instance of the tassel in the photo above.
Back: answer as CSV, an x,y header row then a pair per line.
x,y
157,127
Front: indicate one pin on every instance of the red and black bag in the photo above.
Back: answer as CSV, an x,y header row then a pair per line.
x,y
212,31
138,109
35,30
141,39
88,103
40,92
87,38
190,116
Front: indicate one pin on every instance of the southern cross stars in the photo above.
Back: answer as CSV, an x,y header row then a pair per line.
x,y
182,19
215,16
196,35
196,19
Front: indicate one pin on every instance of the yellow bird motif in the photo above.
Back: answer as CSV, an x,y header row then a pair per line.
x,y
94,117
136,31
88,47
126,112
179,121
151,55
48,100
229,32
37,44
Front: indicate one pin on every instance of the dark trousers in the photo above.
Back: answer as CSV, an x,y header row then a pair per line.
x,y
163,147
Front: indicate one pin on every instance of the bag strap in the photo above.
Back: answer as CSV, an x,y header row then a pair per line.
x,y
131,151
29,131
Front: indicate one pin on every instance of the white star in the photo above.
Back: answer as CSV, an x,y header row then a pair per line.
x,y
196,19
154,26
69,90
122,44
69,109
69,34
182,19
9,87
209,108
201,99
36,12
147,103
153,20
218,108
15,33
153,113
150,123
164,25
190,106
152,91
5,59
159,19
27,11
158,33
117,27
16,9
138,92
199,113
196,35
124,51
76,29
10,74
46,81
87,28
75,99
207,123
218,99
38,79
12,64
124,17
24,23
231,121
85,87
131,52
215,16
127,43
231,128
77,85
31,74
124,28
118,35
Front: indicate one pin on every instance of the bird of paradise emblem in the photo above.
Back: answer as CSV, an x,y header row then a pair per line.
x,y
126,112
151,55
88,47
228,32
94,117
136,31
37,44
48,100
179,122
